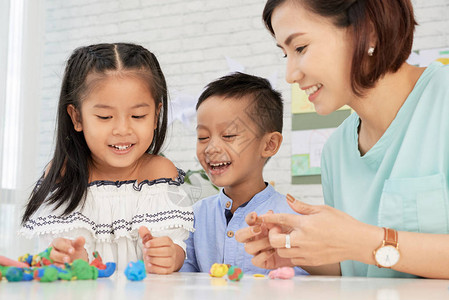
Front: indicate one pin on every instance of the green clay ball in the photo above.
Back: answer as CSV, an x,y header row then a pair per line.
x,y
50,275
235,273
14,274
83,271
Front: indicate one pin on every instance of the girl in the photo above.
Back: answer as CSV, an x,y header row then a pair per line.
x,y
385,170
105,179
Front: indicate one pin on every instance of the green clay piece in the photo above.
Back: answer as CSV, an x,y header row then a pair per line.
x,y
83,271
46,253
66,274
14,274
50,275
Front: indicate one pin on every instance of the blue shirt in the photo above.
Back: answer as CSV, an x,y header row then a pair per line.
x,y
402,182
213,240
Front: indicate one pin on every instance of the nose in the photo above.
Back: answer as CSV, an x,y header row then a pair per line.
x,y
293,72
212,147
122,127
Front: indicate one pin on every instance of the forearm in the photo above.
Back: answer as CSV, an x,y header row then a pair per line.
x,y
180,256
421,254
329,270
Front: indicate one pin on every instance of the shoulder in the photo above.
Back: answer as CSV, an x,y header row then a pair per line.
x,y
155,167
206,204
436,78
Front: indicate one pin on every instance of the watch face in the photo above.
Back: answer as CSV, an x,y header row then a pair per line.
x,y
387,256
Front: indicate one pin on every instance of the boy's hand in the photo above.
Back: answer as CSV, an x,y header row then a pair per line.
x,y
66,250
255,238
160,254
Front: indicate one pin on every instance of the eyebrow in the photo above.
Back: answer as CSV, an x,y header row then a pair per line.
x,y
289,39
110,107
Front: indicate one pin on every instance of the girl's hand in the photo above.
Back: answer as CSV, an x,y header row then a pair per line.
x,y
255,238
321,235
160,254
66,250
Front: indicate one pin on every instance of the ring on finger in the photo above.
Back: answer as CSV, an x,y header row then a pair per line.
x,y
287,241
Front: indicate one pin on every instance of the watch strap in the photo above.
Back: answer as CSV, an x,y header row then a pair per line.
x,y
390,237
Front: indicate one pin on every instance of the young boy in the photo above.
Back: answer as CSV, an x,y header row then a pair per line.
x,y
239,128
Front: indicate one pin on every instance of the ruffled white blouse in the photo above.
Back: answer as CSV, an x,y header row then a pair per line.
x,y
112,214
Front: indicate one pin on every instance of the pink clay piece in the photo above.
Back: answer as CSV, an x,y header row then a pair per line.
x,y
282,273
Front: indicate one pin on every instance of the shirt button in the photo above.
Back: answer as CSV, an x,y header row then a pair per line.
x,y
228,204
230,233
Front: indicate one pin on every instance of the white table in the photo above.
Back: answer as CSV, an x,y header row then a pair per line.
x,y
201,286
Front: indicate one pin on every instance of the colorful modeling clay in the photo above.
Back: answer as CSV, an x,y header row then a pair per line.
x,y
14,274
235,273
83,271
218,270
135,271
282,273
40,267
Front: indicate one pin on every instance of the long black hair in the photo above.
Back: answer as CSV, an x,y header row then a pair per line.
x,y
66,179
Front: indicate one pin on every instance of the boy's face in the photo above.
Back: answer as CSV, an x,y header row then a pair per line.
x,y
229,147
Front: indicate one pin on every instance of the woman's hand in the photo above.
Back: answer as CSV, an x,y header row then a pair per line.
x,y
66,250
255,238
160,254
320,235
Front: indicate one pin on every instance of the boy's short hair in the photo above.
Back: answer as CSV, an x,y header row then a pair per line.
x,y
265,103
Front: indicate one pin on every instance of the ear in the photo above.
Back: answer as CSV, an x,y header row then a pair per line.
x,y
76,117
272,143
156,117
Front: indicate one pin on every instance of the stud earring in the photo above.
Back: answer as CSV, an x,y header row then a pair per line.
x,y
371,51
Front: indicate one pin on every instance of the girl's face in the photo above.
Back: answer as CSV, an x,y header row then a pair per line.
x,y
118,118
318,53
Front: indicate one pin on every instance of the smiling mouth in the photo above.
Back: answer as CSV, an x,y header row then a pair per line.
x,y
313,89
217,166
121,147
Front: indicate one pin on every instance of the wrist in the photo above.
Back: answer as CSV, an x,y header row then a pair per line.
x,y
370,238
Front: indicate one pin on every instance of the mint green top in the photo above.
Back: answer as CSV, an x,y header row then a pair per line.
x,y
402,182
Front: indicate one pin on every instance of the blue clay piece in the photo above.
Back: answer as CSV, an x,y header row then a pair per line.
x,y
135,271
14,274
27,274
110,269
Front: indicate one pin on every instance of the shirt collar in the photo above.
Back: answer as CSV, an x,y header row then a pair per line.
x,y
226,202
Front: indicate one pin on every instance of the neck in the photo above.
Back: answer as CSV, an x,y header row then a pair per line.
x,y
382,103
244,191
97,172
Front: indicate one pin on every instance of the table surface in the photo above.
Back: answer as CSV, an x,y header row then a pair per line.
x,y
202,286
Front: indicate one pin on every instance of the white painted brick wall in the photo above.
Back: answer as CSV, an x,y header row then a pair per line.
x,y
191,40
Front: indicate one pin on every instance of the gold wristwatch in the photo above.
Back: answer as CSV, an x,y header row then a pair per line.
x,y
387,255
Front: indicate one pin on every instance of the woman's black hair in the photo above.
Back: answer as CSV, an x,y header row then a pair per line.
x,y
66,179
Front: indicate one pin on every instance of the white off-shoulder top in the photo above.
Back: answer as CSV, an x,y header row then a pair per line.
x,y
112,214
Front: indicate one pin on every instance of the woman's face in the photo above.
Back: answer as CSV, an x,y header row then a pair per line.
x,y
318,54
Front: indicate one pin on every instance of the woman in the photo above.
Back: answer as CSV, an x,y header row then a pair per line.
x,y
385,170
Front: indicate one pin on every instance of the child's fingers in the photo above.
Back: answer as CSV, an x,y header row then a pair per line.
x,y
257,246
247,234
159,251
145,234
260,260
163,241
59,257
159,270
78,243
63,245
164,262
